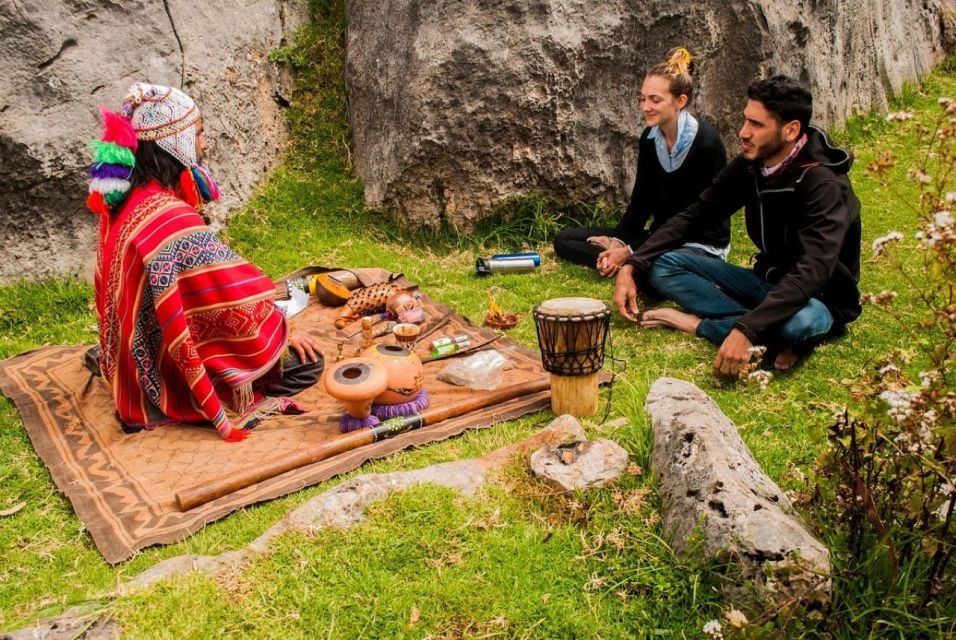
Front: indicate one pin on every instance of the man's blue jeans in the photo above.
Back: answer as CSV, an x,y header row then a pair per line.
x,y
719,293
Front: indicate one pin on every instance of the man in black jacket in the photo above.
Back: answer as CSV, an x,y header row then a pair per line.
x,y
802,215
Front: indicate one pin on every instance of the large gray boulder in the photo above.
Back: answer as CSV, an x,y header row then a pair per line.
x,y
61,59
457,107
711,485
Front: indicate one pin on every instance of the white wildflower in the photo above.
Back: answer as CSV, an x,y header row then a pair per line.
x,y
900,402
950,196
761,378
736,619
932,238
899,116
713,629
919,176
879,245
927,378
888,368
943,219
883,297
757,350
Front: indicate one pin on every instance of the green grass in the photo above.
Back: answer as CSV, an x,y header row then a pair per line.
x,y
513,562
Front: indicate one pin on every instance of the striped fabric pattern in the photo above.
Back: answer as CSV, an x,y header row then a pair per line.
x,y
186,325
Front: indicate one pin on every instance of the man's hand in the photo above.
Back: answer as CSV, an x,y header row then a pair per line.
x,y
625,293
305,345
610,260
600,241
733,354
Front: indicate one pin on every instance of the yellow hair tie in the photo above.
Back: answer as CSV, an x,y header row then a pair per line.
x,y
679,61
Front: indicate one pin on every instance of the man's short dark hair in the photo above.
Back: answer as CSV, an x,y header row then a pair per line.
x,y
785,98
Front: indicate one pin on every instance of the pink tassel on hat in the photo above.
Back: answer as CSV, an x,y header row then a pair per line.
x,y
118,129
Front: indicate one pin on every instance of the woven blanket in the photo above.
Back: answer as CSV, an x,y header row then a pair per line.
x,y
123,486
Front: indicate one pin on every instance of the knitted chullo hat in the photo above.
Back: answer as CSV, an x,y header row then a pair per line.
x,y
164,115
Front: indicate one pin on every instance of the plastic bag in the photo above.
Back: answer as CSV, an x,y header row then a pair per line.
x,y
483,370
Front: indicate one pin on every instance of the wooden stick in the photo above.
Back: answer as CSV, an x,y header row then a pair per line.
x,y
201,494
438,324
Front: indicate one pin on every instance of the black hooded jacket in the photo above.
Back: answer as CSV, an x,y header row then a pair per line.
x,y
805,223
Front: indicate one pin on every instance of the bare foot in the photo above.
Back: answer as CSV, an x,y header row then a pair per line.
x,y
671,318
786,360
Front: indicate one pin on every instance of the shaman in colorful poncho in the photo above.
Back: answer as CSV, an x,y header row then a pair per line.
x,y
186,325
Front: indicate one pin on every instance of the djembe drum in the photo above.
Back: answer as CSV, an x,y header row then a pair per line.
x,y
571,336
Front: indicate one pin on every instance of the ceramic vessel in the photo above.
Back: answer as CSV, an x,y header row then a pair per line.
x,y
405,372
406,334
356,382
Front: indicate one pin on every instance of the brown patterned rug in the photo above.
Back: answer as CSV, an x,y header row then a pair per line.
x,y
123,486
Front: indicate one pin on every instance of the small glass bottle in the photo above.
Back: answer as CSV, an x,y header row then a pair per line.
x,y
448,349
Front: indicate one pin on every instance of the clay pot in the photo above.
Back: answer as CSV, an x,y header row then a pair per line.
x,y
405,372
355,382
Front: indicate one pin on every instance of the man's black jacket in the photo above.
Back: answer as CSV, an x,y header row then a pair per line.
x,y
805,223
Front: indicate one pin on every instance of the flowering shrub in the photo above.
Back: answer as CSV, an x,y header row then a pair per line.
x,y
888,479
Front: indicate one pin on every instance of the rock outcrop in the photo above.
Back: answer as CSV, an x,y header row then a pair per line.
x,y
710,484
63,59
458,107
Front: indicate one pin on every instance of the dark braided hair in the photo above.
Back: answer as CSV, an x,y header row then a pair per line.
x,y
153,163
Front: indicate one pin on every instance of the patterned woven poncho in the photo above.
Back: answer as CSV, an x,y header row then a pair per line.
x,y
186,325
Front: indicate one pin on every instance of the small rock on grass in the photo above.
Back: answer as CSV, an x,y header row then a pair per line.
x,y
580,464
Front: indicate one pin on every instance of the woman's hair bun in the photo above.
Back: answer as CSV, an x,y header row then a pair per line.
x,y
679,61
678,69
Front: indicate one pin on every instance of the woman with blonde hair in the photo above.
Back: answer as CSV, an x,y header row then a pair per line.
x,y
678,157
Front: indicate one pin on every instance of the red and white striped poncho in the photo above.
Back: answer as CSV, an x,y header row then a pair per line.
x,y
186,325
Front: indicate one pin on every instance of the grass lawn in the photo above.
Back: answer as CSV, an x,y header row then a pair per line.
x,y
514,562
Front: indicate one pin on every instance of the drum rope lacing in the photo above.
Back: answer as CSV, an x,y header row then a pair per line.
x,y
610,383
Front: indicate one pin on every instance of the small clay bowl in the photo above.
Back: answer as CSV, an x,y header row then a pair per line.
x,y
501,322
406,334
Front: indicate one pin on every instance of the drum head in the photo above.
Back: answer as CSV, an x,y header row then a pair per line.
x,y
572,307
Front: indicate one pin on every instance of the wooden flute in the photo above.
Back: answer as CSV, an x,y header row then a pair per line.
x,y
202,493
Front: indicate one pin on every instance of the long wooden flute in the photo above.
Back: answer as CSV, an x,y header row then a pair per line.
x,y
203,493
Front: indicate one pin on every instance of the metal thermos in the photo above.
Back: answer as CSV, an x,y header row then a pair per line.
x,y
507,263
532,255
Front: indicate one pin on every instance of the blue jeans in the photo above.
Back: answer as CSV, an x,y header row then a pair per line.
x,y
719,293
